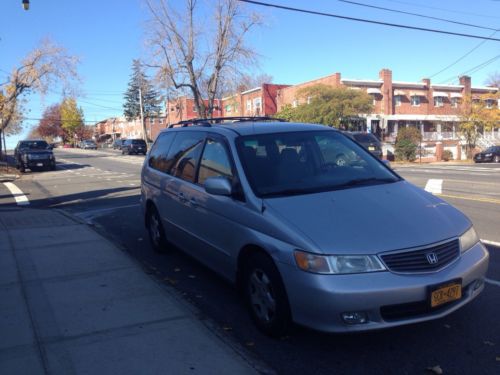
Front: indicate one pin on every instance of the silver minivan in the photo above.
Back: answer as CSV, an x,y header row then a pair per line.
x,y
312,227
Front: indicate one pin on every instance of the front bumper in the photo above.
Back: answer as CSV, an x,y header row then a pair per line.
x,y
483,159
39,163
318,301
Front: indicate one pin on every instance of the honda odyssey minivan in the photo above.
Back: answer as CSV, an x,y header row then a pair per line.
x,y
285,211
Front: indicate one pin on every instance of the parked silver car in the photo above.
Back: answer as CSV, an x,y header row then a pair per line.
x,y
311,226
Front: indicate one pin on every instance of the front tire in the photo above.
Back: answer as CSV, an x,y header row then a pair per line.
x,y
156,232
266,296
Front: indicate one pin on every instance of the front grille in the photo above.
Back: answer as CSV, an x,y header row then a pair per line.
x,y
417,260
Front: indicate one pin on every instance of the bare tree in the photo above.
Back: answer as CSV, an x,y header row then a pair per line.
x,y
195,56
40,70
493,79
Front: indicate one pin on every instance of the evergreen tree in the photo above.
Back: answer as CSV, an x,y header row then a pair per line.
x,y
150,97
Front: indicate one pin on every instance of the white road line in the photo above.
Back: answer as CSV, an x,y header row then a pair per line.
x,y
434,186
493,282
21,199
492,243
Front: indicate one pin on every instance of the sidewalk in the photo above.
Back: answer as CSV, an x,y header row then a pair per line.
x,y
73,303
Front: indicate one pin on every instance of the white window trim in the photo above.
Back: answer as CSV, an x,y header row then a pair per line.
x,y
418,99
438,101
397,100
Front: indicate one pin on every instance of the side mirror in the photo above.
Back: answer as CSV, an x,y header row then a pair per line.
x,y
218,186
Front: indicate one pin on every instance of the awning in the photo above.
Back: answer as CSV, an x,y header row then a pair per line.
x,y
455,95
439,93
399,92
372,90
417,93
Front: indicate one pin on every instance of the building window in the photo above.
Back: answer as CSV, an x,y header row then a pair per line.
x,y
249,105
257,104
489,103
415,100
309,100
151,120
454,102
160,121
228,108
438,101
295,103
397,100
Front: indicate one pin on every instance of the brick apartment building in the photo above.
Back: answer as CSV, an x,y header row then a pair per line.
x,y
434,109
119,127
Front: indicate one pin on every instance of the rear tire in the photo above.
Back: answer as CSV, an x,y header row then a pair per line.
x,y
496,159
155,230
265,295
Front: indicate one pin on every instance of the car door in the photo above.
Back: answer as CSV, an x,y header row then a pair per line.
x,y
182,161
214,220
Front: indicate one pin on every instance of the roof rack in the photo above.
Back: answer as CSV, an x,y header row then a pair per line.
x,y
208,122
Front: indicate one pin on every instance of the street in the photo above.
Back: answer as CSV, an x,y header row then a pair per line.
x,y
103,188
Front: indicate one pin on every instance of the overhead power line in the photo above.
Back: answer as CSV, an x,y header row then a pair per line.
x,y
417,15
367,21
475,68
442,9
462,57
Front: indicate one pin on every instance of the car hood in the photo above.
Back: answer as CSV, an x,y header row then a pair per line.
x,y
369,219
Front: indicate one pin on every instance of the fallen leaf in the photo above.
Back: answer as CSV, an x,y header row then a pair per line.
x,y
139,239
177,269
170,281
227,328
192,276
249,343
199,296
489,343
498,359
436,370
447,326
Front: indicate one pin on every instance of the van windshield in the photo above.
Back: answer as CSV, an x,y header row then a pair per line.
x,y
281,164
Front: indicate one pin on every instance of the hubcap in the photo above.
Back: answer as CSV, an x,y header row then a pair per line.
x,y
262,296
154,229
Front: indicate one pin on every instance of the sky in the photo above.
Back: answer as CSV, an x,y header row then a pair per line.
x,y
292,47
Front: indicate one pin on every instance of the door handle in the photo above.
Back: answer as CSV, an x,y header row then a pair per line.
x,y
193,202
182,197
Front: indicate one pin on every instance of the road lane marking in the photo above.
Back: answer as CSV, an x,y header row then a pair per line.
x,y
477,199
493,282
21,199
434,186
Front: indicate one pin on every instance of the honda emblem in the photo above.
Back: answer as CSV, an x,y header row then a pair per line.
x,y
432,258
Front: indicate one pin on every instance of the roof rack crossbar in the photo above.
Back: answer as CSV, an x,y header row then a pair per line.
x,y
207,122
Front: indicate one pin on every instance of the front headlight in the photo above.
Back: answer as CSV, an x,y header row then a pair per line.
x,y
337,264
468,239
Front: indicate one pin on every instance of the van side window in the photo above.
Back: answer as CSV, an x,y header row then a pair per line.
x,y
159,151
214,162
184,155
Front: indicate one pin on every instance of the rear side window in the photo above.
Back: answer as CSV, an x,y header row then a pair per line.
x,y
139,142
184,154
365,138
158,154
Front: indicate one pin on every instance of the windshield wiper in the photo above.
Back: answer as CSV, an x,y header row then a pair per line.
x,y
367,181
286,192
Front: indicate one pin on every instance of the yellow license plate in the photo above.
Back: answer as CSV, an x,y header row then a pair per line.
x,y
371,148
447,293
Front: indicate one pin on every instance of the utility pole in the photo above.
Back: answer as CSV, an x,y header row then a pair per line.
x,y
144,133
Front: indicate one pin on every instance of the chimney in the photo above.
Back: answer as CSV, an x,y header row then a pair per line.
x,y
465,81
386,76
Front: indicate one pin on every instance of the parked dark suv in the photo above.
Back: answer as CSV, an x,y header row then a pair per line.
x,y
368,141
34,154
491,154
134,146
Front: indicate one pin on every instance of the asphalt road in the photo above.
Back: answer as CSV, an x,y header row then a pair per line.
x,y
103,187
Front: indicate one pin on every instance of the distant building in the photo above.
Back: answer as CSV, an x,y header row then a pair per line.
x,y
119,127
